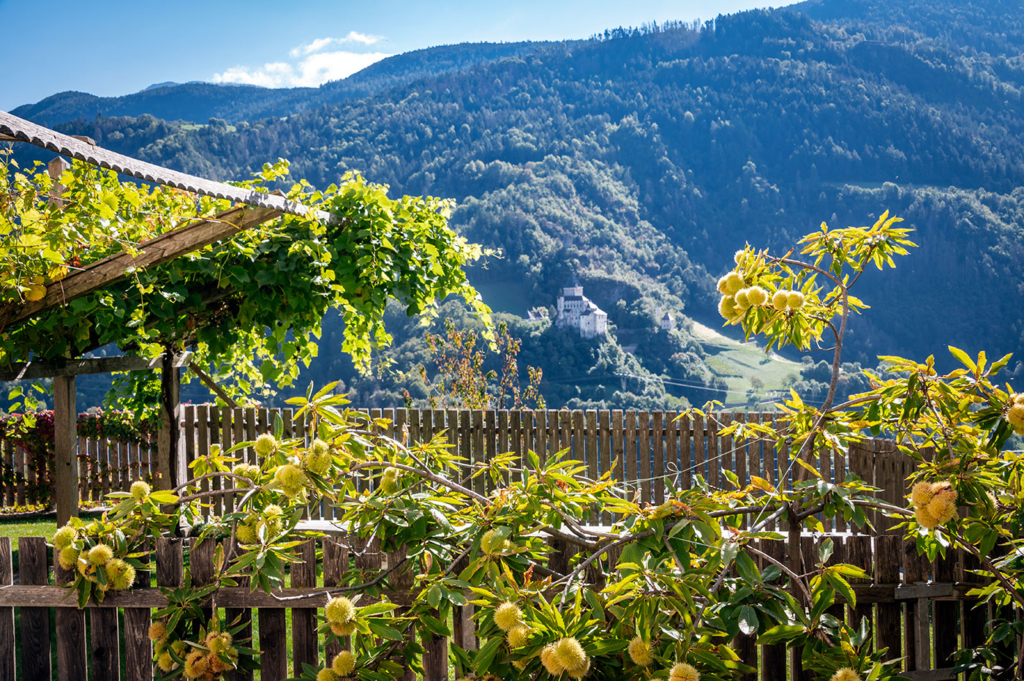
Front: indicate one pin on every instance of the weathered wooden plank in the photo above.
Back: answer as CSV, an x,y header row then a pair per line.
x,y
435,658
732,454
7,634
540,435
35,622
477,438
888,561
713,451
27,371
10,484
947,570
138,649
701,447
304,635
122,457
564,429
593,455
106,468
671,456
658,457
686,465
862,464
917,647
605,456
65,441
516,433
778,454
273,643
104,642
19,475
859,554
643,450
579,446
335,556
773,658
70,628
490,447
202,413
629,482
974,617
252,430
227,597
754,456
189,434
889,476
402,578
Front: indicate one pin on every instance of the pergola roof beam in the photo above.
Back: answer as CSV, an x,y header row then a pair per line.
x,y
156,251
20,130
54,368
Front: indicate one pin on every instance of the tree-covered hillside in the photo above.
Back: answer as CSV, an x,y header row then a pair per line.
x,y
642,159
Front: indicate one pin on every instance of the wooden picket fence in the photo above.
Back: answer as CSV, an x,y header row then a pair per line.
x,y
918,610
110,639
105,465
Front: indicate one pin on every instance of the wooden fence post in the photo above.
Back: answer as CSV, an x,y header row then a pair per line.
x,y
168,458
65,445
35,622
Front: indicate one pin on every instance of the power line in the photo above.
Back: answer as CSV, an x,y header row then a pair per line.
x,y
696,386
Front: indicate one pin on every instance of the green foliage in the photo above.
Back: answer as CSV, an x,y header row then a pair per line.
x,y
252,306
647,157
671,584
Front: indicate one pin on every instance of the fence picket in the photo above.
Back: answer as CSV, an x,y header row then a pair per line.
x,y
593,455
658,465
643,447
70,624
7,633
604,451
630,481
304,635
335,556
491,447
104,646
35,622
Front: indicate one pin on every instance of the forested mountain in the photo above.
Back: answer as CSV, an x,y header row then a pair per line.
x,y
642,159
198,102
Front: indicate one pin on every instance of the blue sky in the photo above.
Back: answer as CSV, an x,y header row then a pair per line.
x,y
118,47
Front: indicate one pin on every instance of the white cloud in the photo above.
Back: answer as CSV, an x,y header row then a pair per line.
x,y
315,68
321,43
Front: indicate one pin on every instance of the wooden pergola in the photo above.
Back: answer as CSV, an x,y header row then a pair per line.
x,y
252,208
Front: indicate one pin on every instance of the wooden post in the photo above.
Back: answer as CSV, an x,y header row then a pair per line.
x,y
65,445
167,443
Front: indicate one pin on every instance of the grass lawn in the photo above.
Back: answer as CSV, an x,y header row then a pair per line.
x,y
16,528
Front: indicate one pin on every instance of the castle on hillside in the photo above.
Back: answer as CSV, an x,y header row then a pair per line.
x,y
666,321
579,312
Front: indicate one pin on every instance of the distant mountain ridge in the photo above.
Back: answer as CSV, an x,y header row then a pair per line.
x,y
197,102
643,159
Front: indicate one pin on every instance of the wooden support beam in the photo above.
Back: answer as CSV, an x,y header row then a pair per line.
x,y
65,445
227,597
916,591
156,251
27,371
168,456
212,385
945,674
